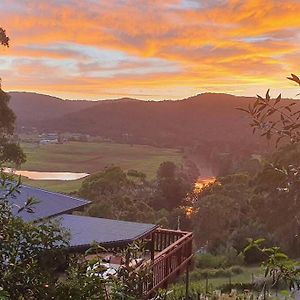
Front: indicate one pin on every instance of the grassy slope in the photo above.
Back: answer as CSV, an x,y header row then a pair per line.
x,y
91,158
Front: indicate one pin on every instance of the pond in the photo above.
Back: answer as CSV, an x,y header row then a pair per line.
x,y
37,175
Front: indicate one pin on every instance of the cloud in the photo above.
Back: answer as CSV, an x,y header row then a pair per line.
x,y
143,46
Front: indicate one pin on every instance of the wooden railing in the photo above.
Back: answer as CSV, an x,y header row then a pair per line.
x,y
174,254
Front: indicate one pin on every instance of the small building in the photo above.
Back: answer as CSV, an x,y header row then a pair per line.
x,y
170,251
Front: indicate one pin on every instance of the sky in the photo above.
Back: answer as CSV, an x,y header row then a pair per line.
x,y
150,49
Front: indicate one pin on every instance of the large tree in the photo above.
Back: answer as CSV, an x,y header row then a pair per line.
x,y
10,151
117,194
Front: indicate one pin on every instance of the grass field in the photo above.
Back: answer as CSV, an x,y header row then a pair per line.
x,y
91,158
61,186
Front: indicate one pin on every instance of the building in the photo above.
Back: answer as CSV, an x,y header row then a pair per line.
x,y
170,251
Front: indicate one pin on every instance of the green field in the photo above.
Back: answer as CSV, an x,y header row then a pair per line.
x,y
91,158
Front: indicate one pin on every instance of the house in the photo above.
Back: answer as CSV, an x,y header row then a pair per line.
x,y
170,251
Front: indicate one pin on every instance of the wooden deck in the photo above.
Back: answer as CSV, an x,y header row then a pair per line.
x,y
173,255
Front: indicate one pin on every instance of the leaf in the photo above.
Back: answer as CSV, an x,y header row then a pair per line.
x,y
294,78
281,255
288,108
268,95
259,241
267,271
278,99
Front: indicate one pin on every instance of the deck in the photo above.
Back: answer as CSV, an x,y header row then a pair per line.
x,y
171,255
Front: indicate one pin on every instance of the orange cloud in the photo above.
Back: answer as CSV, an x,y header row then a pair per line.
x,y
170,49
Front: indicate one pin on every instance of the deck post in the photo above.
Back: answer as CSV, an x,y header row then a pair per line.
x,y
152,250
187,282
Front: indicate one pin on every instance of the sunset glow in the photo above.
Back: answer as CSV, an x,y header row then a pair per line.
x,y
150,49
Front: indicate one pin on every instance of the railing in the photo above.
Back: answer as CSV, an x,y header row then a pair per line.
x,y
175,252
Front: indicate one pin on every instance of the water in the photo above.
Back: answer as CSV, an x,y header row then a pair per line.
x,y
37,175
202,182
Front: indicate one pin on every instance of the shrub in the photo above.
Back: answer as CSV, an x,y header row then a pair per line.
x,y
208,260
215,273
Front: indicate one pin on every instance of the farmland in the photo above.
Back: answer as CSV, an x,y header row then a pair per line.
x,y
90,158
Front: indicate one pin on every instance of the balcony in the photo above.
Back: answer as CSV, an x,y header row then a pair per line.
x,y
171,254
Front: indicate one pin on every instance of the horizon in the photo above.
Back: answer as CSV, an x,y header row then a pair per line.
x,y
149,50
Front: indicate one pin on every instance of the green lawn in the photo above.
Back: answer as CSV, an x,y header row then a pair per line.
x,y
60,186
91,158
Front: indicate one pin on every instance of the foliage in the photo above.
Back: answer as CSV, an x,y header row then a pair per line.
x,y
30,254
278,266
118,195
4,39
10,151
199,274
35,264
172,187
229,257
208,260
277,184
275,119
220,207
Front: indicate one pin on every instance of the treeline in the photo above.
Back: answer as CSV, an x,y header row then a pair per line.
x,y
128,195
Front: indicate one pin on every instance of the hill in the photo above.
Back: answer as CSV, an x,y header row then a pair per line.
x,y
167,123
31,108
206,118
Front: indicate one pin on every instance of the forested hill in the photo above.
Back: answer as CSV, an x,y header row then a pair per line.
x,y
31,108
205,117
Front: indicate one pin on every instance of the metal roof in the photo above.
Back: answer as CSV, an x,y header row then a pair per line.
x,y
50,204
86,230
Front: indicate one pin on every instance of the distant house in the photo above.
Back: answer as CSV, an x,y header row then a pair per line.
x,y
170,251
50,138
47,142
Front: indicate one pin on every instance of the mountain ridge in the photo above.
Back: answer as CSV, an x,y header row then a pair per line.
x,y
203,118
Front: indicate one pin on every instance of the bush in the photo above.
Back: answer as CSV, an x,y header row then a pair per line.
x,y
208,260
228,258
215,273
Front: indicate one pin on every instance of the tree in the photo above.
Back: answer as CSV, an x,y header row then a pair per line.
x,y
35,264
279,268
117,194
277,185
30,254
10,151
172,187
221,208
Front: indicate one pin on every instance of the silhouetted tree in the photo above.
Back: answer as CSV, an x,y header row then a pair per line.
x,y
10,151
172,188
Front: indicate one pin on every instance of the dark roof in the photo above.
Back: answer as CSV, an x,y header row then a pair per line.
x,y
50,204
86,230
